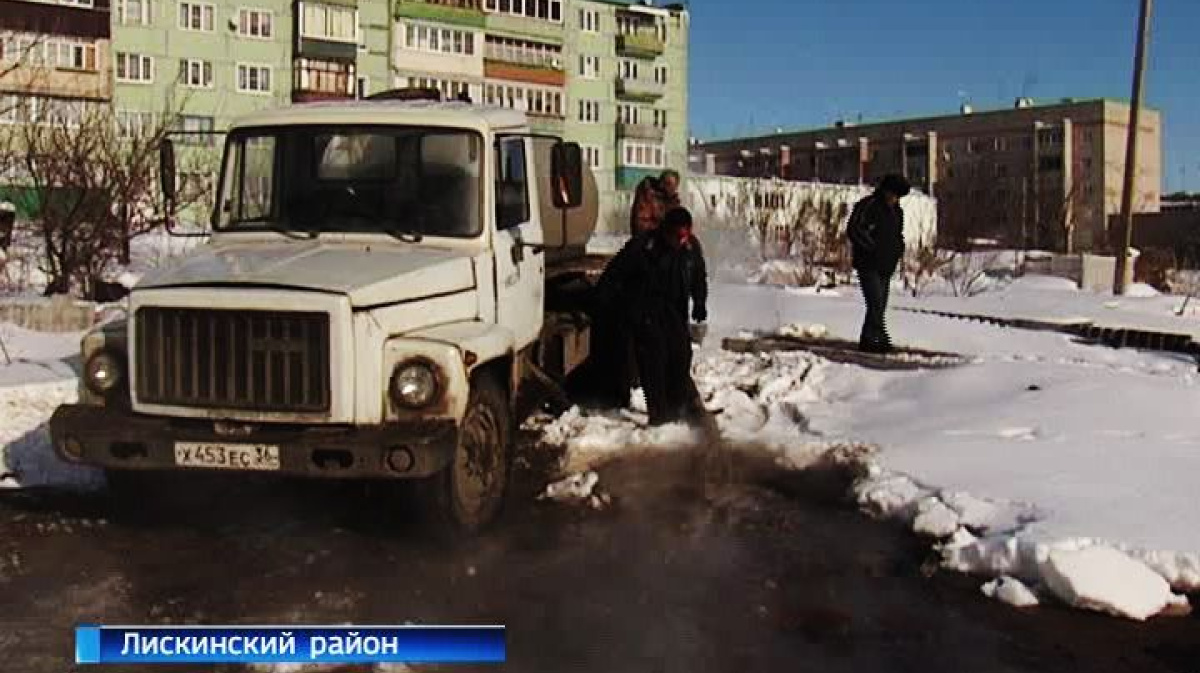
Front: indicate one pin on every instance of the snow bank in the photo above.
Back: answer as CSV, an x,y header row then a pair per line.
x,y
26,456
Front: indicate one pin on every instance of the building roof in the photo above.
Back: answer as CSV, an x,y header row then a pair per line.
x,y
418,113
976,112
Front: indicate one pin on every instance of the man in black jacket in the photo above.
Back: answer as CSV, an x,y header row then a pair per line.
x,y
876,233
650,284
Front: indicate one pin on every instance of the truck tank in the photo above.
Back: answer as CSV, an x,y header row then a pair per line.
x,y
580,222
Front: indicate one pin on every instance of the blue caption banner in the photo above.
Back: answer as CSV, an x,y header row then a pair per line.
x,y
289,644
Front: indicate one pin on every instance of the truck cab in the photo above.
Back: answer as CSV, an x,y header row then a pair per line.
x,y
370,304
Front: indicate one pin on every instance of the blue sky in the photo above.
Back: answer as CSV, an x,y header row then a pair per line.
x,y
761,64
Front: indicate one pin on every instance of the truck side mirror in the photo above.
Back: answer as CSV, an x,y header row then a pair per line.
x,y
566,171
166,169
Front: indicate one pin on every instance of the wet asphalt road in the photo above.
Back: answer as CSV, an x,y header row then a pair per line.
x,y
773,572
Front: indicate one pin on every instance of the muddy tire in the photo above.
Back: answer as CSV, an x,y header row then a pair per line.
x,y
468,495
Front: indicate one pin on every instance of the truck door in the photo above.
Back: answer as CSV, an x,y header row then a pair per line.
x,y
520,269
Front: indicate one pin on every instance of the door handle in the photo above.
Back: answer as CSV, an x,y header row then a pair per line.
x,y
518,253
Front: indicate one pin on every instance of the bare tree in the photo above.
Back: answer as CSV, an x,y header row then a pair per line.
x,y
95,182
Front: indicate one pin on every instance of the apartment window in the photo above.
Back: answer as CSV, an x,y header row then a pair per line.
x,y
449,88
589,67
194,130
589,20
589,111
134,68
660,74
525,52
660,119
1000,144
547,10
196,73
629,114
1001,170
134,123
197,16
439,40
972,146
326,77
660,29
134,12
329,22
362,87
67,55
593,156
258,23
254,78
638,154
532,99
629,69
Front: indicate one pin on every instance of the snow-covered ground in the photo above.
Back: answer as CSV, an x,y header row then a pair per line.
x,y
1044,460
1062,469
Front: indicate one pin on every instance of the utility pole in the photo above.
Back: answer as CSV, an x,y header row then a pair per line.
x,y
1131,146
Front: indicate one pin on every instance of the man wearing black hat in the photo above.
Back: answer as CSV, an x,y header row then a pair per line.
x,y
876,233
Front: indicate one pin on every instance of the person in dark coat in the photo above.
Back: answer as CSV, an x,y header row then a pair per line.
x,y
651,282
876,233
668,184
648,207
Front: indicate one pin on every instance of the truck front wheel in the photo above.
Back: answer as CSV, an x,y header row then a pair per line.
x,y
469,494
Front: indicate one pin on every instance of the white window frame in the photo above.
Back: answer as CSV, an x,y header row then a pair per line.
x,y
146,67
642,154
248,68
61,53
518,8
205,68
661,75
435,39
325,34
594,156
589,111
145,18
595,71
589,20
208,16
244,16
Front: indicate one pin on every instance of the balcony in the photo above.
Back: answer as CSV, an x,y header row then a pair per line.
x,y
522,65
548,124
314,81
457,12
641,132
641,44
640,90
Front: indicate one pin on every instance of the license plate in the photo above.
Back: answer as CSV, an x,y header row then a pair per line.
x,y
227,456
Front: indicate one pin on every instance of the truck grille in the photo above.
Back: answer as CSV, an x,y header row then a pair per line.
x,y
252,360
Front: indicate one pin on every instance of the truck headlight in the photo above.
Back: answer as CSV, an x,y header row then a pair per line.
x,y
414,384
103,373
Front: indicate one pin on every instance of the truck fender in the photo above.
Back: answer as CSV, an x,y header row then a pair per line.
x,y
480,346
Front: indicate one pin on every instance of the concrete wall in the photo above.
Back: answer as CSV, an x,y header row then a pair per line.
x,y
57,314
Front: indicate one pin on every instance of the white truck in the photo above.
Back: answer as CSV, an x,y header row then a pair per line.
x,y
383,282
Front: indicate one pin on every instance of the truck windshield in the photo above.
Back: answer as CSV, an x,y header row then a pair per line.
x,y
368,179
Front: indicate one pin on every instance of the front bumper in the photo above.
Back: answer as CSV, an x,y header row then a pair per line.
x,y
120,439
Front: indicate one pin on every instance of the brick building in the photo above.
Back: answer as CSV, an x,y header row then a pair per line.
x,y
1035,175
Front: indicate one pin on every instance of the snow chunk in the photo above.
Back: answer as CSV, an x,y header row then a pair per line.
x,y
1106,580
574,487
935,519
1012,591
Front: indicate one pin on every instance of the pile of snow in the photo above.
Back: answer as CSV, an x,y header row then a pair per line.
x,y
802,331
578,488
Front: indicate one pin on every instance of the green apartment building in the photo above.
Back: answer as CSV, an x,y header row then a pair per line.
x,y
608,74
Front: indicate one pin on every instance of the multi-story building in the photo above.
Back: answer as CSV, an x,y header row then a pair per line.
x,y
627,91
1043,176
54,58
608,74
